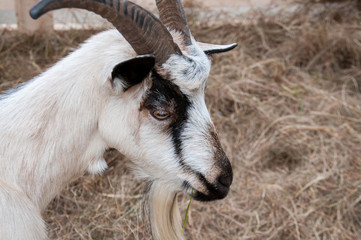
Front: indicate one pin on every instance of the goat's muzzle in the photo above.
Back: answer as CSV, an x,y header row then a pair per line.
x,y
218,188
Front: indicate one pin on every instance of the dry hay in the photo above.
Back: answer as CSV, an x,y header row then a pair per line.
x,y
287,106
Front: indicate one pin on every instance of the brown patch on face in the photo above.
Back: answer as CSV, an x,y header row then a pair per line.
x,y
221,163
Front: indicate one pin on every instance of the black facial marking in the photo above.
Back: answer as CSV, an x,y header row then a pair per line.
x,y
165,95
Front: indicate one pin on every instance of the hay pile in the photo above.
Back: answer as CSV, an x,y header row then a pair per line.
x,y
287,106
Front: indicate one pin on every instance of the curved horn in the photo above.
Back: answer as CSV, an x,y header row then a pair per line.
x,y
172,15
145,33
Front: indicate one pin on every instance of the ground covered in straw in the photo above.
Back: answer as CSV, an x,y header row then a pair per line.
x,y
287,106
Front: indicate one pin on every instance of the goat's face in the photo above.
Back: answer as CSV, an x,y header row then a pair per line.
x,y
165,127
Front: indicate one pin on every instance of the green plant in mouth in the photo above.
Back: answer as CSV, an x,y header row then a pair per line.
x,y
185,218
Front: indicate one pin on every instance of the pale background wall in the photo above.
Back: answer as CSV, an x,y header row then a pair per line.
x,y
15,13
9,4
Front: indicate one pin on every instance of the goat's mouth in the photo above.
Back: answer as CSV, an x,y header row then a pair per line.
x,y
215,187
213,192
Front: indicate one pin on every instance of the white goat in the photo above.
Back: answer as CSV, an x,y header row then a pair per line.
x,y
138,89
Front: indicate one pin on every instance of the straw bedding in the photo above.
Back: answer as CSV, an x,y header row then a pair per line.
x,y
287,106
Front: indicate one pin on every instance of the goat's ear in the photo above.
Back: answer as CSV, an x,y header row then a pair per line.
x,y
133,71
210,49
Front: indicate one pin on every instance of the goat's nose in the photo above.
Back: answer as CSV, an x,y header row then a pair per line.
x,y
225,180
222,185
226,177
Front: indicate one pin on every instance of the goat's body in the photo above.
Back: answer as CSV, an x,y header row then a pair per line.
x,y
19,217
49,133
148,104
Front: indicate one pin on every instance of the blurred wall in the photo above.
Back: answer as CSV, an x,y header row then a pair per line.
x,y
7,5
150,4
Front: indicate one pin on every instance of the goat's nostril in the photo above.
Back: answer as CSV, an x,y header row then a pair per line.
x,y
225,180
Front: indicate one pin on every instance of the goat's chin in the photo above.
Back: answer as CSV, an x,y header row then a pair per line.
x,y
163,212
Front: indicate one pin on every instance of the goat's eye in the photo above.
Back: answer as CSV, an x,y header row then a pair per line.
x,y
161,115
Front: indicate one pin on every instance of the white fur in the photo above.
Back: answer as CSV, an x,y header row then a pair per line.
x,y
163,212
195,63
98,166
49,132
